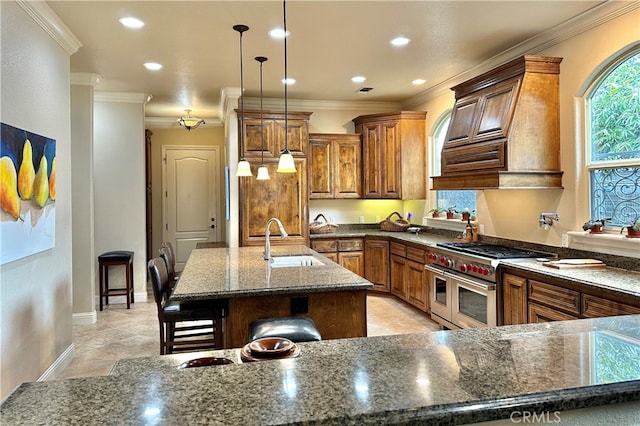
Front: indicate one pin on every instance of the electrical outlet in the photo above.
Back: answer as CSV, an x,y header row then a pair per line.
x,y
361,219
425,221
332,219
565,240
481,229
377,219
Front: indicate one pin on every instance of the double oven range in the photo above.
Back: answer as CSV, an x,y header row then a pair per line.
x,y
463,282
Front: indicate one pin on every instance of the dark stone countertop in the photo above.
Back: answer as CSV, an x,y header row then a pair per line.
x,y
447,377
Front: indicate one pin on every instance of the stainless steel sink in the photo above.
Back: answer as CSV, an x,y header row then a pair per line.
x,y
293,261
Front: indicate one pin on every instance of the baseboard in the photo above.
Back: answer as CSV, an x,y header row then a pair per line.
x,y
84,318
58,365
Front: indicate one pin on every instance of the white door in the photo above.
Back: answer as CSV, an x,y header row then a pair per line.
x,y
190,203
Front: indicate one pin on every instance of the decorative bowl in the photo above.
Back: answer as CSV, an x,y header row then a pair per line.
x,y
270,347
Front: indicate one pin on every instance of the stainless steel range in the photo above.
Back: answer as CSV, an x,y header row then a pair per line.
x,y
463,282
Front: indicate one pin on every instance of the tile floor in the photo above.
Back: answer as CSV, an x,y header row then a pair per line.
x,y
121,333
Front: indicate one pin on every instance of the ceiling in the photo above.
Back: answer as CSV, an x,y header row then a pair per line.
x,y
330,41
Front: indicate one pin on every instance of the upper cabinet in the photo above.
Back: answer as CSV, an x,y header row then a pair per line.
x,y
505,129
335,165
272,125
394,154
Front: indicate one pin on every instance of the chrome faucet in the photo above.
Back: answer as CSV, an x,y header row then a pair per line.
x,y
267,242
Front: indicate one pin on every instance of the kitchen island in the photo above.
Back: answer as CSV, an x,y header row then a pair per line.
x,y
254,288
449,377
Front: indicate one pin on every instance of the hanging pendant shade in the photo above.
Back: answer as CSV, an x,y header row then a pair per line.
x,y
263,173
244,168
286,164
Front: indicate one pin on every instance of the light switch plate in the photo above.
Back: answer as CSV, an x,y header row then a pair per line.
x,y
565,240
361,219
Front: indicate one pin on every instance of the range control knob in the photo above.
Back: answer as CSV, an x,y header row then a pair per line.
x,y
464,267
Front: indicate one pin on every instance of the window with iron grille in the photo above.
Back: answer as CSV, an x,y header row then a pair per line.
x,y
613,142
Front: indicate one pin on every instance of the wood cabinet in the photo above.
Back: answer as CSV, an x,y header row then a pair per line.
x,y
505,129
284,195
335,166
347,252
376,263
408,276
514,298
529,298
394,154
272,126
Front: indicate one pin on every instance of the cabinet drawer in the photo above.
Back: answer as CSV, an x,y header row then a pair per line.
x,y
325,246
554,296
350,245
539,313
593,307
399,249
415,254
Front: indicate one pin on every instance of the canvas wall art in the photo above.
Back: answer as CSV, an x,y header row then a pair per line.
x,y
27,193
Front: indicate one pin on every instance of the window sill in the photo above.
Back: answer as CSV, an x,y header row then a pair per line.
x,y
608,243
444,223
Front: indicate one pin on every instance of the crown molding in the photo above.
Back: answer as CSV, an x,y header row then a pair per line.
x,y
315,105
594,17
46,19
85,79
125,97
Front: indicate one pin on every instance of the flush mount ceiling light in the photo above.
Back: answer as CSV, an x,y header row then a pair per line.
x,y
286,164
358,79
152,66
189,122
419,81
400,41
131,22
244,168
278,33
263,172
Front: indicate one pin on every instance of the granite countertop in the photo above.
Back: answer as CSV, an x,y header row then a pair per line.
x,y
452,377
617,280
214,273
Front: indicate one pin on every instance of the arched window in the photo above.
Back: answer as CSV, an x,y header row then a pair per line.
x,y
613,141
461,199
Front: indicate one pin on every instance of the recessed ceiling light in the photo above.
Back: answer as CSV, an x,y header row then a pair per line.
x,y
289,81
400,41
152,66
131,22
359,79
278,33
419,81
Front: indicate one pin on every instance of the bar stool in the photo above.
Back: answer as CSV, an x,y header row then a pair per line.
x,y
296,329
116,258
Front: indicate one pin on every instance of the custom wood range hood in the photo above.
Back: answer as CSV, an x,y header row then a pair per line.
x,y
505,129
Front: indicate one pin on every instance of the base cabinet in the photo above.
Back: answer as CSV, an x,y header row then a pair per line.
x,y
347,252
527,299
408,276
376,263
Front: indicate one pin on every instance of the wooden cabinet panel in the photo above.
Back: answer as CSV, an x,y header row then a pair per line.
x,y
376,263
496,111
398,249
324,246
398,286
538,313
283,196
335,166
353,261
593,307
352,244
462,119
272,125
333,256
416,254
514,290
394,154
416,284
554,296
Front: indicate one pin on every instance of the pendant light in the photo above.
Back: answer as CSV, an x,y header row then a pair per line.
x,y
263,172
244,168
286,164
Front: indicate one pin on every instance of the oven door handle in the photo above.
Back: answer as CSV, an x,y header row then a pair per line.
x,y
435,270
470,283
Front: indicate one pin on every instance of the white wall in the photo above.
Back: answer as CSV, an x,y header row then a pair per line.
x,y
35,292
119,184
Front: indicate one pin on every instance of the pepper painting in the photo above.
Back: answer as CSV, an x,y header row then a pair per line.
x,y
27,193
